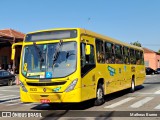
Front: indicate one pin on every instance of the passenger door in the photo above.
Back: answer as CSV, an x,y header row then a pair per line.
x,y
87,69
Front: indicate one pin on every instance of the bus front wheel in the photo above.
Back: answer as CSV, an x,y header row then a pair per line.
x,y
100,95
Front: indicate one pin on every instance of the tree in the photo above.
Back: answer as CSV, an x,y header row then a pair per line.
x,y
136,44
159,51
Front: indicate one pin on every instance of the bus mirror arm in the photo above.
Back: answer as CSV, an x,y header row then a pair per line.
x,y
13,54
14,50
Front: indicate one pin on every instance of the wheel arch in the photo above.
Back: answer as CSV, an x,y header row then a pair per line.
x,y
100,81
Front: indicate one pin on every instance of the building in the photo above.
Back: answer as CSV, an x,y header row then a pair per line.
x,y
7,38
151,58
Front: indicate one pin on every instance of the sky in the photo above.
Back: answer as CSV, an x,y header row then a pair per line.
x,y
125,20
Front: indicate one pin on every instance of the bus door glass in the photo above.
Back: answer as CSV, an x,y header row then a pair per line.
x,y
87,68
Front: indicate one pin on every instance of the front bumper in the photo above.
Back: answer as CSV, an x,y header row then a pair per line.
x,y
53,97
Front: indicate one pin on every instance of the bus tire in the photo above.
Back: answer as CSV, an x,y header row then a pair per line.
x,y
99,95
132,89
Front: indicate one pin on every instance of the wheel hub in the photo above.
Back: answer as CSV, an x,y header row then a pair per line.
x,y
99,94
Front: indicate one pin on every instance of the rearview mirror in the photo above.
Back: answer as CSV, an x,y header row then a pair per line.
x,y
88,50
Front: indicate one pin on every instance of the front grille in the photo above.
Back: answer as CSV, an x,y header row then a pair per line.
x,y
44,95
46,84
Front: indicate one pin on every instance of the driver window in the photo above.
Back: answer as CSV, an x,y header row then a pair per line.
x,y
87,59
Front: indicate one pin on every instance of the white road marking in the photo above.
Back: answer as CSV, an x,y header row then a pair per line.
x,y
9,87
141,102
10,90
13,104
10,101
157,107
153,93
157,92
27,103
119,103
6,96
146,93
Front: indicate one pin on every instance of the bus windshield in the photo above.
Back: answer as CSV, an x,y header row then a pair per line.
x,y
49,60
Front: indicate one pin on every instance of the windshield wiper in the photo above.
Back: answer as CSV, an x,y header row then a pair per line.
x,y
39,52
56,53
68,55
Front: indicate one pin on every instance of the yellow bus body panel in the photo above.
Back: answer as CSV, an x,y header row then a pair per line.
x,y
86,86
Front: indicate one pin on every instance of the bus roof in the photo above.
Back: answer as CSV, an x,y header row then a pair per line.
x,y
93,34
109,39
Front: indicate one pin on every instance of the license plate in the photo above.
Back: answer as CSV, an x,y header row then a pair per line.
x,y
45,100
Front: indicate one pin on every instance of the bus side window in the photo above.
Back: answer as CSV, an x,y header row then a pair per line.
x,y
138,60
109,53
118,54
90,58
142,57
132,56
100,51
126,55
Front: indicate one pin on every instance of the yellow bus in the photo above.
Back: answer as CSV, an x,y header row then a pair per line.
x,y
71,65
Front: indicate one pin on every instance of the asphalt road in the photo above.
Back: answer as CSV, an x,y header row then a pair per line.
x,y
143,104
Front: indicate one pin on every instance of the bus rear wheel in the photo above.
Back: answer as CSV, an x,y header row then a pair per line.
x,y
100,95
132,89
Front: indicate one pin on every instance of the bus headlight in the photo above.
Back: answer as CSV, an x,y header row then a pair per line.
x,y
72,85
23,87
